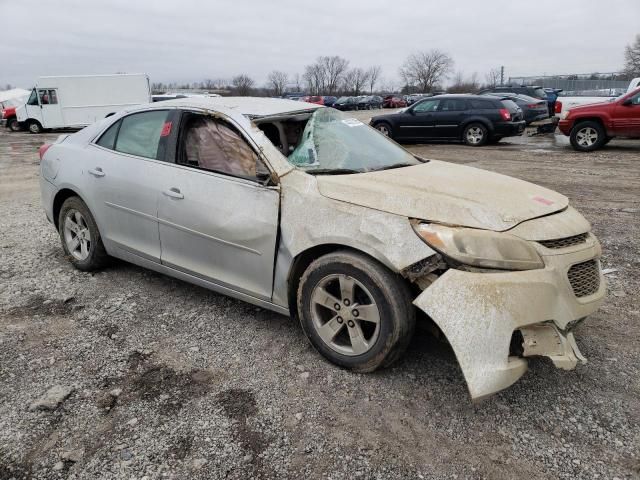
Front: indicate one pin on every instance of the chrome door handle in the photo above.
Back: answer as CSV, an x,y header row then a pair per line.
x,y
174,193
97,172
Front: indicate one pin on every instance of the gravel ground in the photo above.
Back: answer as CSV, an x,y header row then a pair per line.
x,y
157,378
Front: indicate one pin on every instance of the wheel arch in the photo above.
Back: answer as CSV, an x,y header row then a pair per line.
x,y
302,260
60,197
589,118
484,121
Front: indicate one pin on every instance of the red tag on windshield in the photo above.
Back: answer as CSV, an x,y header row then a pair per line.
x,y
166,129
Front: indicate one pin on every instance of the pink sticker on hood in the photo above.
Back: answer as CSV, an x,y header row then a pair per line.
x,y
544,201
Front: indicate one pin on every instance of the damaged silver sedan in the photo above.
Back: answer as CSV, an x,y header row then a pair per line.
x,y
302,210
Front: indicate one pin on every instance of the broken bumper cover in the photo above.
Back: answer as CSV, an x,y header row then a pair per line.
x,y
478,313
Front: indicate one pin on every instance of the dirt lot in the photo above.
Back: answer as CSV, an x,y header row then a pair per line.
x,y
173,381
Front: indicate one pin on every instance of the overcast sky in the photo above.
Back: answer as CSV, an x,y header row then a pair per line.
x,y
188,40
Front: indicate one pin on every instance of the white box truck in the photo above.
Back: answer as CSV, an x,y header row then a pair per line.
x,y
78,101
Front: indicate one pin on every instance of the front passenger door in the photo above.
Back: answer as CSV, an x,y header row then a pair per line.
x,y
449,117
217,218
626,119
418,121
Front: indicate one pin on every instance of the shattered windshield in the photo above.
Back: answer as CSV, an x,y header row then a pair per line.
x,y
334,142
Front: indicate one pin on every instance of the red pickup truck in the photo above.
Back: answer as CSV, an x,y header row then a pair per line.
x,y
589,127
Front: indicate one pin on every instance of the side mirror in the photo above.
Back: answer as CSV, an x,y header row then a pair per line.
x,y
627,102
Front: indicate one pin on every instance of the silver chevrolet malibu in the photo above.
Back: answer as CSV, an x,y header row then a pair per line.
x,y
305,211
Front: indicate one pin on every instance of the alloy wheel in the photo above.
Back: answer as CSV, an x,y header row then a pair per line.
x,y
384,130
345,315
77,236
475,135
587,136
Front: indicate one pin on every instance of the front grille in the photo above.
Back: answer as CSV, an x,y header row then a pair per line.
x,y
565,242
584,278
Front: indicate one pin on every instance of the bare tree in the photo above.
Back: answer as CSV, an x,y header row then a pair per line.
x,y
426,69
354,80
492,77
462,84
325,75
632,58
242,84
373,73
277,82
297,82
335,67
314,77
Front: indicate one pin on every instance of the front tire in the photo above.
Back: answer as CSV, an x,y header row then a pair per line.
x,y
35,127
354,311
384,128
81,240
587,136
475,135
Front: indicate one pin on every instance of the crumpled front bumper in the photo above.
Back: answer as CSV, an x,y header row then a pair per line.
x,y
479,312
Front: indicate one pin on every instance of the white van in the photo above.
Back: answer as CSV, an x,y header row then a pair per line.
x,y
78,101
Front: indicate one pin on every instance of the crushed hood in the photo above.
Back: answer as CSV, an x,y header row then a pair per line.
x,y
446,193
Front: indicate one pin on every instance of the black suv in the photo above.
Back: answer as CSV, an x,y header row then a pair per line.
x,y
473,119
534,91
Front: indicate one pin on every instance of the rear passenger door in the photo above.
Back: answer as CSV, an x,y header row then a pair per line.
x,y
217,213
449,118
123,172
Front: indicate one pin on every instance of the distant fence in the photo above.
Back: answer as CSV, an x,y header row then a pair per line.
x,y
580,86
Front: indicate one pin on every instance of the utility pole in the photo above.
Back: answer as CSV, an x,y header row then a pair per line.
x,y
502,75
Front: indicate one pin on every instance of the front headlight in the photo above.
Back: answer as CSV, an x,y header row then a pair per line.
x,y
565,114
480,248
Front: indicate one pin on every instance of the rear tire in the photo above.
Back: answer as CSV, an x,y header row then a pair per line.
x,y
587,136
475,135
14,125
354,311
34,126
81,240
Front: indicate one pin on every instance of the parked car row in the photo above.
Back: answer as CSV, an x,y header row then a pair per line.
x,y
363,102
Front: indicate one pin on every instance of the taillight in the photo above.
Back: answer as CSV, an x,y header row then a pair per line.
x,y
43,149
558,107
505,114
4,113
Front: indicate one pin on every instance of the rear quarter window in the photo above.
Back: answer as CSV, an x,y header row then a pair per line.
x,y
108,138
482,104
510,105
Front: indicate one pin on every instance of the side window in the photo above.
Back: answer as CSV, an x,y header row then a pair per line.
x,y
215,145
635,100
44,97
140,133
426,106
453,105
481,105
33,98
53,97
108,138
